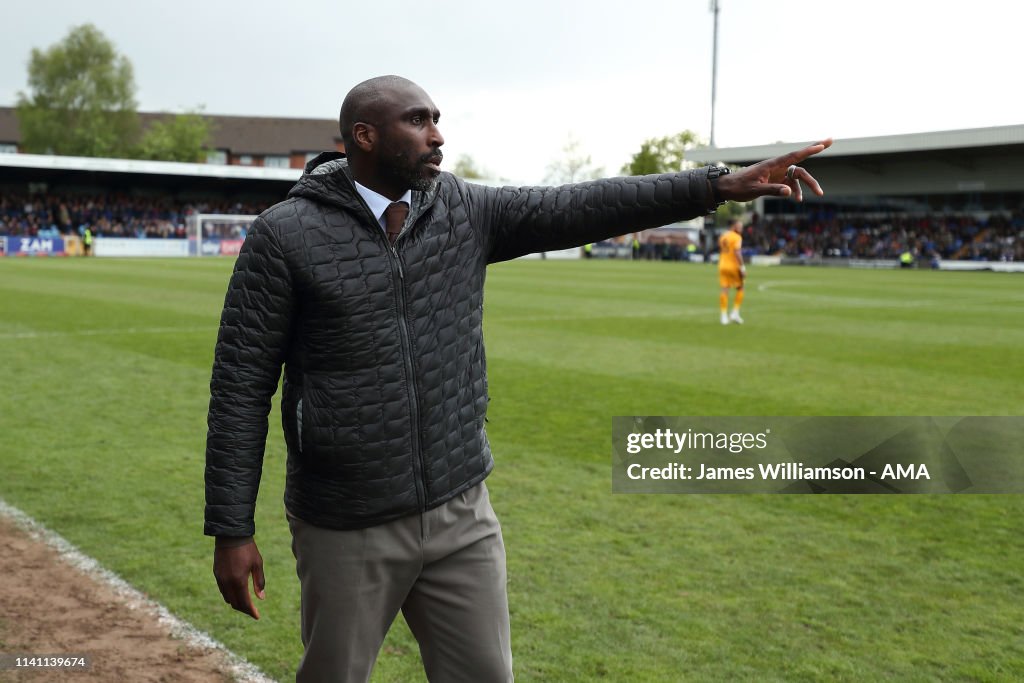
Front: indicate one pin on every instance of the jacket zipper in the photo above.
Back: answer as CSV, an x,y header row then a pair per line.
x,y
419,467
298,423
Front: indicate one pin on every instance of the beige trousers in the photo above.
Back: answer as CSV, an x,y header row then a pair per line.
x,y
444,569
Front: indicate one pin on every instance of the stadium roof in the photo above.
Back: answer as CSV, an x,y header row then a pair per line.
x,y
939,164
130,175
28,168
971,138
45,162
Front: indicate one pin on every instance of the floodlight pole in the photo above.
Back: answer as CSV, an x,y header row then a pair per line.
x,y
714,69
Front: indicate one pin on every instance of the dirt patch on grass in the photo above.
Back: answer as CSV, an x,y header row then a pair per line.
x,y
48,607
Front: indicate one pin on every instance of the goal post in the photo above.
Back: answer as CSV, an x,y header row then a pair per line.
x,y
217,234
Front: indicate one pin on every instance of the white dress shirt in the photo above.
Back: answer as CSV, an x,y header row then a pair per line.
x,y
378,202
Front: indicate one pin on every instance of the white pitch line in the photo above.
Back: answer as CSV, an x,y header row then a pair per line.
x,y
556,317
775,283
239,667
106,332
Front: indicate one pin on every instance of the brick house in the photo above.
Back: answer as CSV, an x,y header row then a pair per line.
x,y
271,142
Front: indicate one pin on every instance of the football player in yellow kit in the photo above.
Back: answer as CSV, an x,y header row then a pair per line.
x,y
731,272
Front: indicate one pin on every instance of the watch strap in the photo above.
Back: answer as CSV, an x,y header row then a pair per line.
x,y
714,173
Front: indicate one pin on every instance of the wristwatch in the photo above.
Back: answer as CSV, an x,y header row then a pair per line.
x,y
714,173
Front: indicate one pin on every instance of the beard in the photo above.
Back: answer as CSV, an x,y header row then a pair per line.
x,y
413,174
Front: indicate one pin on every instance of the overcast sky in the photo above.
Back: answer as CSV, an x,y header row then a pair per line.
x,y
514,80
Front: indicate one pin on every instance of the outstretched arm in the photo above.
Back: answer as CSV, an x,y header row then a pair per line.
x,y
773,177
517,221
520,220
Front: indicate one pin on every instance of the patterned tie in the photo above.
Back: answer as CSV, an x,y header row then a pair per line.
x,y
394,219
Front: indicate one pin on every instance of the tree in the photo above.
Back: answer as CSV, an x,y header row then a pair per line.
x,y
465,167
82,98
667,155
729,211
662,155
574,165
181,138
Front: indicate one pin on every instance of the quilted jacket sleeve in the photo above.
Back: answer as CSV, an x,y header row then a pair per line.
x,y
251,347
524,220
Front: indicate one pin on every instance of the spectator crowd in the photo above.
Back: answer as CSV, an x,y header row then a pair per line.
x,y
996,236
106,215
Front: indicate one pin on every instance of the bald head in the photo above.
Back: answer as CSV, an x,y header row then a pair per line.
x,y
389,125
368,103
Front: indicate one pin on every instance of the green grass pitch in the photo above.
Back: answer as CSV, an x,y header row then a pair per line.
x,y
105,385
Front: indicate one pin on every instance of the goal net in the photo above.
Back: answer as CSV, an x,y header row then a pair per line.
x,y
217,234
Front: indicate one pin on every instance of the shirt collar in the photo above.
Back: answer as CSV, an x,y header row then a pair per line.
x,y
378,202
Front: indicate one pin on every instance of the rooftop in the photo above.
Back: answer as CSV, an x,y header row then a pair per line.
x,y
970,138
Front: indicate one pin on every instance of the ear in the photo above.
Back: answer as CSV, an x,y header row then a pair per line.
x,y
365,136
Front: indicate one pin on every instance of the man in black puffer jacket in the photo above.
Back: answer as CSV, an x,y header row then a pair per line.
x,y
366,285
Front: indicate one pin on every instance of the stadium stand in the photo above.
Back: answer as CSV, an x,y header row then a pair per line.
x,y
48,202
956,195
996,236
106,214
992,237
